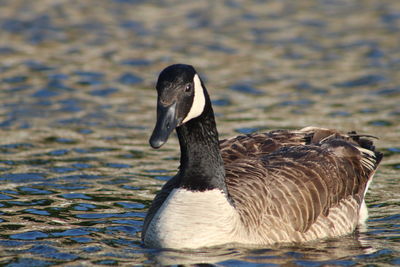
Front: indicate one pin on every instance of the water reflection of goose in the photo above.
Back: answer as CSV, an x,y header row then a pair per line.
x,y
335,251
266,188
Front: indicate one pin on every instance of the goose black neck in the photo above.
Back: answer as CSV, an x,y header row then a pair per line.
x,y
202,167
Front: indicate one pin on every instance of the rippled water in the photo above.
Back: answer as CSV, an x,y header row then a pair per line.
x,y
77,106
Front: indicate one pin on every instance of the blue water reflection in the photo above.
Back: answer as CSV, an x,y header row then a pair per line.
x,y
77,106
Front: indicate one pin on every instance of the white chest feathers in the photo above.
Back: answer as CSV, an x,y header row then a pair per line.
x,y
190,219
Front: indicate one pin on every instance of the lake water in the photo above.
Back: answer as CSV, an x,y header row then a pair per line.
x,y
77,106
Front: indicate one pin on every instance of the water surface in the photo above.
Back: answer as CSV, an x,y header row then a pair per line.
x,y
77,106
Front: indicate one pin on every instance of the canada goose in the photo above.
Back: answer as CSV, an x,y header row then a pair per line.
x,y
259,189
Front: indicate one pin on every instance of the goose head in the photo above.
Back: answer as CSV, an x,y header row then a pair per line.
x,y
181,97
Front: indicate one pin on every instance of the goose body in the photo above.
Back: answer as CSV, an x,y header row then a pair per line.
x,y
258,189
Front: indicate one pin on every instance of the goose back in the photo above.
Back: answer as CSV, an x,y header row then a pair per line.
x,y
306,186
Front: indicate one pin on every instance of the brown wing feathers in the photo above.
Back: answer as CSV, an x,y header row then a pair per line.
x,y
297,183
256,145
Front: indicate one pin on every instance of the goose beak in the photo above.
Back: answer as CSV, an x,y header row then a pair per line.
x,y
166,123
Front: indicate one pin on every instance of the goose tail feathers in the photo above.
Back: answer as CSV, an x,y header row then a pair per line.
x,y
370,158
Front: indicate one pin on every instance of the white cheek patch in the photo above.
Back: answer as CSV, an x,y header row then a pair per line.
x,y
199,100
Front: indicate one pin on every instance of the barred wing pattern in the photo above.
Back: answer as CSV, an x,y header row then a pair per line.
x,y
308,185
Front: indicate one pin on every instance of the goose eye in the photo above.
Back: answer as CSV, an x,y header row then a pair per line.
x,y
188,87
